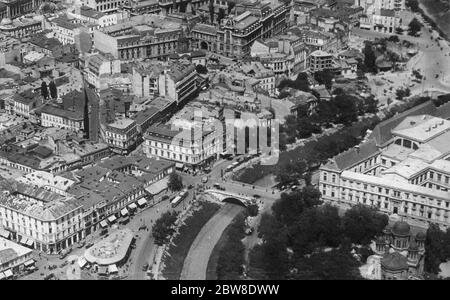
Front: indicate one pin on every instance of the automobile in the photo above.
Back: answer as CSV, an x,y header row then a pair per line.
x,y
207,170
145,267
190,187
81,244
89,245
205,179
142,227
256,196
49,276
52,267
218,186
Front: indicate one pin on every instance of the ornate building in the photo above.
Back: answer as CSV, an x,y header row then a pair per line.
x,y
400,253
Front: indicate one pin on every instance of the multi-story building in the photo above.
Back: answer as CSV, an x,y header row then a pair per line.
x,y
146,78
136,7
13,257
234,36
105,6
25,103
403,171
21,28
88,15
320,60
146,36
48,181
178,83
121,135
52,116
189,147
39,218
15,8
98,65
66,31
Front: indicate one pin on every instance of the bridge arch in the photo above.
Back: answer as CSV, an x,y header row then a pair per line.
x,y
234,200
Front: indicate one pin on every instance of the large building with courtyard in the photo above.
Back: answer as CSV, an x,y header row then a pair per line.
x,y
402,169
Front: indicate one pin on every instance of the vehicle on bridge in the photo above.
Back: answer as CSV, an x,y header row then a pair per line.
x,y
218,186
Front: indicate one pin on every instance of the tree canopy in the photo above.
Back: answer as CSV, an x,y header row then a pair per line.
x,y
414,27
164,227
175,182
362,223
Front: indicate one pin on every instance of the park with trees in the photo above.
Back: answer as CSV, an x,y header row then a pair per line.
x,y
302,238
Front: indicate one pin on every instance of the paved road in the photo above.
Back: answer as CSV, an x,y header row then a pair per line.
x,y
196,261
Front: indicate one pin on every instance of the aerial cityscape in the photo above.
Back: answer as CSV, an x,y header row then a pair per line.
x,y
224,140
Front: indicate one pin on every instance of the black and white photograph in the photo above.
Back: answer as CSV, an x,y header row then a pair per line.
x,y
224,147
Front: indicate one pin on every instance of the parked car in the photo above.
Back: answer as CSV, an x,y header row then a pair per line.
x,y
145,267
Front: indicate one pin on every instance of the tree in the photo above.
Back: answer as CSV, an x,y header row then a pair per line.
x,y
394,38
44,90
291,173
231,256
288,208
175,182
369,58
362,223
399,30
231,5
270,259
345,105
414,27
434,249
201,69
53,90
332,265
316,227
324,77
253,210
164,227
413,5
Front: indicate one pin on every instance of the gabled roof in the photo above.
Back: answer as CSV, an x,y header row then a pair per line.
x,y
382,132
349,158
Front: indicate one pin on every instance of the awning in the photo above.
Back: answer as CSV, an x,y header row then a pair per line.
x,y
82,262
142,202
29,263
8,273
112,269
112,218
4,233
179,165
102,271
30,242
124,212
23,240
103,224
158,187
132,206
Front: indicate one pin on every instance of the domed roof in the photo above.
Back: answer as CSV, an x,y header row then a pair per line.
x,y
394,262
401,228
421,236
413,246
380,240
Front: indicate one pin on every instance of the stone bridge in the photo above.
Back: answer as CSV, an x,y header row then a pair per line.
x,y
226,196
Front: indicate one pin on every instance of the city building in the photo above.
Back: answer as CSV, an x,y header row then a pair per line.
x,y
192,148
13,257
235,35
143,36
52,116
121,135
39,218
15,8
320,60
178,82
403,169
107,6
100,65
